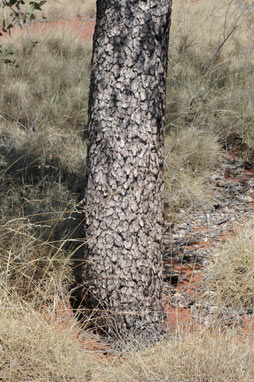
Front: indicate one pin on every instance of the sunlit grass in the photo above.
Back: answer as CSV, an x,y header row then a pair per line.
x,y
43,111
50,85
230,276
210,78
55,10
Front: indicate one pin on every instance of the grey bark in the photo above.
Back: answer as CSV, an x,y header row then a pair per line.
x,y
124,192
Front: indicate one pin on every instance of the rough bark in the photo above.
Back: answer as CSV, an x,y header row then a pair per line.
x,y
124,192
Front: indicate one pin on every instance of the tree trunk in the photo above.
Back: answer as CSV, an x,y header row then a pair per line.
x,y
124,192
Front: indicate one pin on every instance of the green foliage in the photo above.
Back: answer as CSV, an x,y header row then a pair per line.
x,y
18,16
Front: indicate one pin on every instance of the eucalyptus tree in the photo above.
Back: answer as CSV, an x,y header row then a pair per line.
x,y
122,271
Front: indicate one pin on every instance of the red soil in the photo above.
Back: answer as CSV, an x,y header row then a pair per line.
x,y
83,28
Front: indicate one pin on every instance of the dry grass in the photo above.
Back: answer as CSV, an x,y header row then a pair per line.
x,y
63,10
191,358
36,344
42,153
230,276
43,108
55,10
211,68
58,95
34,270
190,156
49,145
34,349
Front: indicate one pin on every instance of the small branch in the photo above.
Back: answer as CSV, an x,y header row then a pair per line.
x,y
219,49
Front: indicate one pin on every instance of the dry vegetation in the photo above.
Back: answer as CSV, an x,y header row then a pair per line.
x,y
63,9
209,95
43,110
50,84
189,358
230,276
34,349
55,10
190,156
211,69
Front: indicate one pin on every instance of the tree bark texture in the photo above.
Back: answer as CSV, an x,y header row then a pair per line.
x,y
124,193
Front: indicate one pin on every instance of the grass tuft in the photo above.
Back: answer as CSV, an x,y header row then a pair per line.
x,y
190,156
202,356
230,276
51,83
211,71
34,349
33,270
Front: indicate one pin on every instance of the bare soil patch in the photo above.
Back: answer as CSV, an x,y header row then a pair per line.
x,y
83,27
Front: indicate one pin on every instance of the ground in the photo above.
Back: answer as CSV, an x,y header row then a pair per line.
x,y
192,242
